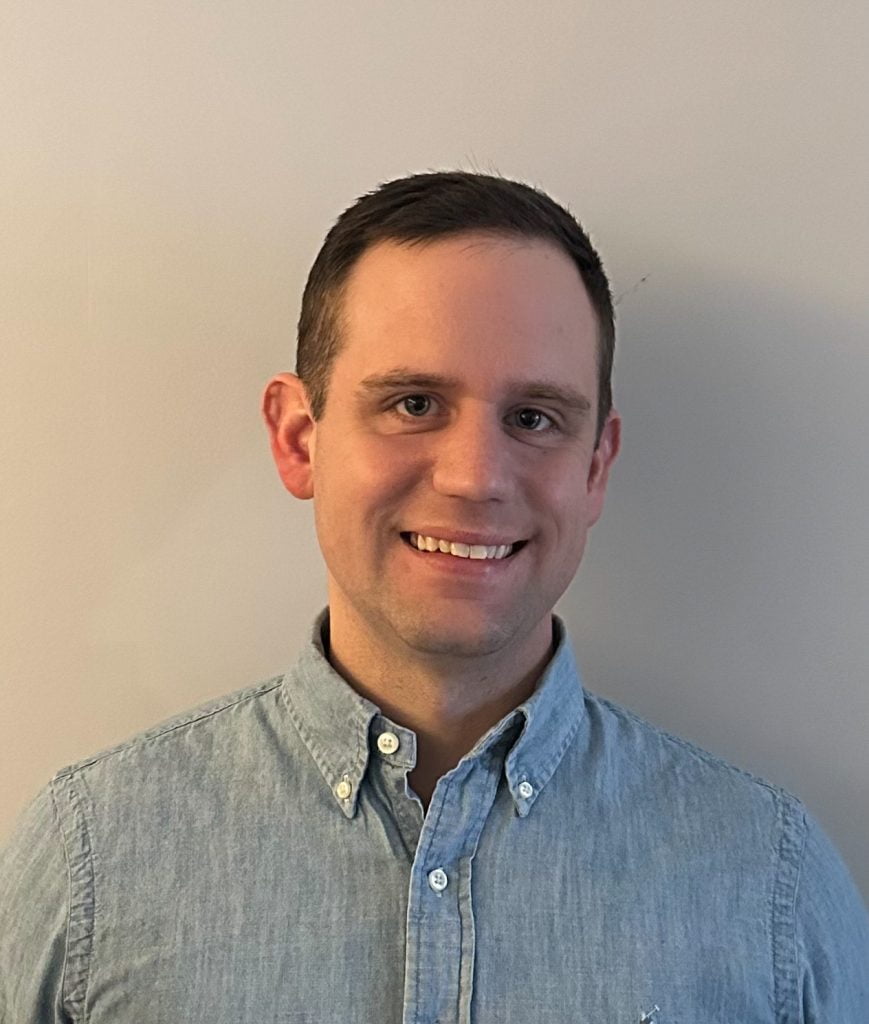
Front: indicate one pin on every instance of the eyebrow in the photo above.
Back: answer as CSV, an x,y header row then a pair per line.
x,y
541,390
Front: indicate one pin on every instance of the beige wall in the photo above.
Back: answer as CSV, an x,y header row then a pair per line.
x,y
168,170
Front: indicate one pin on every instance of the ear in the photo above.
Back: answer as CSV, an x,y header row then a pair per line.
x,y
291,427
602,459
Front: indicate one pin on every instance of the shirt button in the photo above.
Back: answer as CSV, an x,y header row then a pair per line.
x,y
387,743
437,879
343,789
526,790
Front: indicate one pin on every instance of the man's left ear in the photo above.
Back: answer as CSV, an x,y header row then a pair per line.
x,y
288,419
603,457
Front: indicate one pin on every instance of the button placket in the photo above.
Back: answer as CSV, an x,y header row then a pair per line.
x,y
440,910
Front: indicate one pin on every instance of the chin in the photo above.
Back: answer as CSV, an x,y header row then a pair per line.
x,y
455,640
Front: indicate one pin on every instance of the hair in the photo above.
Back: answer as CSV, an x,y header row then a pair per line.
x,y
425,207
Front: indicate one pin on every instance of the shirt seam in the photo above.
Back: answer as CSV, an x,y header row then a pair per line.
x,y
173,725
705,756
80,935
66,859
791,848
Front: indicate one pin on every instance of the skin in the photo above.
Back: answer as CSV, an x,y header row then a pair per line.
x,y
461,406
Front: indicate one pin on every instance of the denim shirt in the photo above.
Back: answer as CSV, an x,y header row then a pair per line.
x,y
262,860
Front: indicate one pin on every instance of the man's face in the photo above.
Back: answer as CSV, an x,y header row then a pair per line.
x,y
460,410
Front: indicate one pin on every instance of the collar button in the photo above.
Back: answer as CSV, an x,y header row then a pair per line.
x,y
388,743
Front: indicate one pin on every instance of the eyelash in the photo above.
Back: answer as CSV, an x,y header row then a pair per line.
x,y
396,409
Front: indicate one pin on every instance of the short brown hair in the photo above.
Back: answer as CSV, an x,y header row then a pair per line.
x,y
424,207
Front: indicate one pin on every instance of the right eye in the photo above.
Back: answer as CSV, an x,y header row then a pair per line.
x,y
414,405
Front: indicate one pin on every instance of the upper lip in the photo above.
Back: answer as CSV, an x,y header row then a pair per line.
x,y
466,536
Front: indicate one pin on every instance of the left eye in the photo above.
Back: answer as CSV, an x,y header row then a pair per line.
x,y
532,419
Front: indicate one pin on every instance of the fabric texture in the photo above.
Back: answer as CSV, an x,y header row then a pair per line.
x,y
262,860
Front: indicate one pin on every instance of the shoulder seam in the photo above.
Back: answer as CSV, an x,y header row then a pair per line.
x,y
157,732
713,760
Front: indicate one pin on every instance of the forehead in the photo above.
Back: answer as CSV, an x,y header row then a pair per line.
x,y
466,297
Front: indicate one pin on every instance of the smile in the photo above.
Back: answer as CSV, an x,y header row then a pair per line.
x,y
459,550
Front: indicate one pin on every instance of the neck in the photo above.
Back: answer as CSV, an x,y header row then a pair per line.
x,y
448,701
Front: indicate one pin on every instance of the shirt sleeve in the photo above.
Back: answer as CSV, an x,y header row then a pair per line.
x,y
832,937
34,911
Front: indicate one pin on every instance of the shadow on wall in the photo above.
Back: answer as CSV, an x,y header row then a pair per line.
x,y
726,589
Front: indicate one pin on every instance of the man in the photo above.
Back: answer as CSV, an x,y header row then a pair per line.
x,y
427,819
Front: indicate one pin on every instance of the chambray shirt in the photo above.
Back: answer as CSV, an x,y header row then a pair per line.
x,y
262,860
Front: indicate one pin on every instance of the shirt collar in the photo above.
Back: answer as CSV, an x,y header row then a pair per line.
x,y
339,726
550,719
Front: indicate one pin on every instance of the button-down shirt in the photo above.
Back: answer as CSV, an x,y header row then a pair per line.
x,y
262,860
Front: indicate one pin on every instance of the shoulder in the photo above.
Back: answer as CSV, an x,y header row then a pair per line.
x,y
637,749
204,751
830,941
737,840
101,823
216,761
694,803
190,731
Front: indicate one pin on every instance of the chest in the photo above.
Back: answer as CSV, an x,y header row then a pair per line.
x,y
502,924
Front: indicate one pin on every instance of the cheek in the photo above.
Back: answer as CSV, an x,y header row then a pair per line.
x,y
569,519
562,491
360,478
387,465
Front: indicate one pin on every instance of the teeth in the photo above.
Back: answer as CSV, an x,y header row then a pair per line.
x,y
459,550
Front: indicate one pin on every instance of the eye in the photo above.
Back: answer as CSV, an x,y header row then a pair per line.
x,y
533,419
415,405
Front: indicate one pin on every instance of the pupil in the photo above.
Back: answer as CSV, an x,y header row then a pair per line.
x,y
529,418
416,405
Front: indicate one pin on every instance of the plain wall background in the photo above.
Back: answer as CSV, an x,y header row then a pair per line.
x,y
168,172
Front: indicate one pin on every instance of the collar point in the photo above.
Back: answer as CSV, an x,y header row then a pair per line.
x,y
348,808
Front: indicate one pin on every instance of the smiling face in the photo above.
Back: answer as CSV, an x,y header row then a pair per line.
x,y
454,471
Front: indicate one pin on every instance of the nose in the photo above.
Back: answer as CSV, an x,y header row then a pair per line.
x,y
471,457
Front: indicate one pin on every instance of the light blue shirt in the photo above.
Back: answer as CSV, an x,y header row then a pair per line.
x,y
261,860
